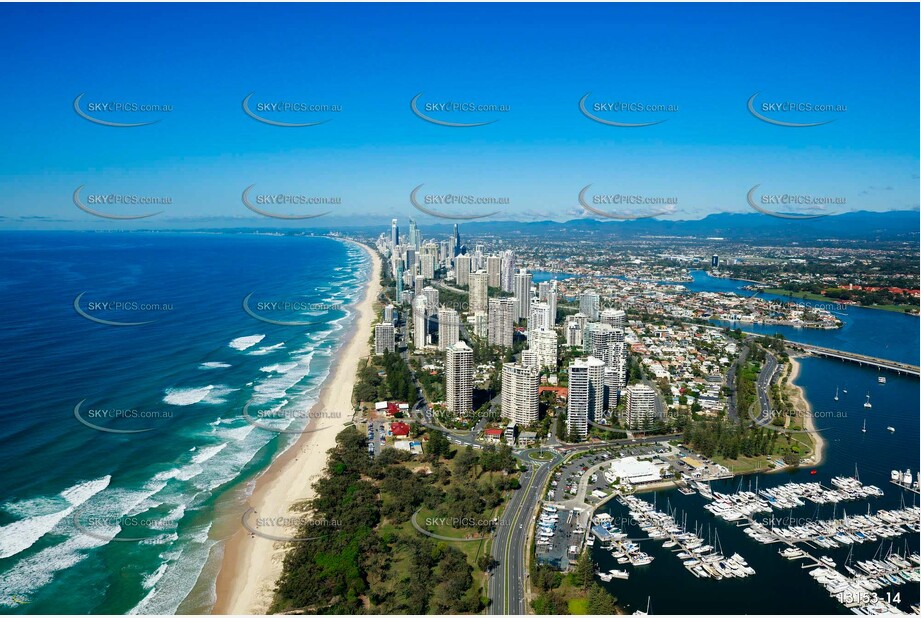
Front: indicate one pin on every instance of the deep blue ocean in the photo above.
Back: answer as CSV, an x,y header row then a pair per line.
x,y
100,521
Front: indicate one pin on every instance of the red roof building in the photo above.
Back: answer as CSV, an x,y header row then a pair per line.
x,y
399,429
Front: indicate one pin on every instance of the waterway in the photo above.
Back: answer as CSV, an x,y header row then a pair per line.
x,y
781,586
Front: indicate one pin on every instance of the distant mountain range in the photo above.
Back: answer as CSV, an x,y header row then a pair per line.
x,y
894,225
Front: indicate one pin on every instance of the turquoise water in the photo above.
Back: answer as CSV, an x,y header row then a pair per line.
x,y
68,492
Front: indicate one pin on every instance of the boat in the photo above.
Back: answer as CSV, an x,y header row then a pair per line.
x,y
640,612
864,430
906,478
895,476
881,379
836,393
619,573
891,428
605,577
844,390
867,403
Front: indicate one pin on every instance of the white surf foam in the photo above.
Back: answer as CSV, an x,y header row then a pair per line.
x,y
214,365
244,343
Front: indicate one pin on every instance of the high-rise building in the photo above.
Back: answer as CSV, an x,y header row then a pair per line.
x,y
462,270
522,293
457,243
459,379
431,299
640,411
398,278
530,358
394,235
478,291
611,388
551,301
494,270
501,322
428,266
407,297
448,328
508,271
715,261
573,333
590,304
539,317
586,395
390,314
420,322
412,241
544,342
384,340
479,323
615,317
520,393
419,284
597,339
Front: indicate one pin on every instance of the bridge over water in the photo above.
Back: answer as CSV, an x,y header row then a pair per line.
x,y
860,359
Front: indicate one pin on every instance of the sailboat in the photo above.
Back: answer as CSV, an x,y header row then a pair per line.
x,y
844,390
640,612
864,430
836,393
867,403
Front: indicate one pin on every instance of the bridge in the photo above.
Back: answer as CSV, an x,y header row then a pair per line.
x,y
860,359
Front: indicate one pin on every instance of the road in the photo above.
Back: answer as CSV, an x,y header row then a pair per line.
x,y
762,386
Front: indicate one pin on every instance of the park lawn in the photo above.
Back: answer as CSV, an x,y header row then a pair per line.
x,y
578,607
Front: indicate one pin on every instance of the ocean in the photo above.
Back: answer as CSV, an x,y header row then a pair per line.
x,y
128,361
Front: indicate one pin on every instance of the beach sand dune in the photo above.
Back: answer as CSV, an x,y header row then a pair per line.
x,y
252,564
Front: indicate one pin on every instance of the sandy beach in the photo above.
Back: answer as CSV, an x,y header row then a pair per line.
x,y
801,403
252,564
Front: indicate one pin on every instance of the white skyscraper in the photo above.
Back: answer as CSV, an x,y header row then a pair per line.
x,y
418,284
420,322
615,317
586,395
640,411
551,300
539,317
448,328
479,323
590,304
520,394
384,340
459,379
431,298
462,269
529,358
390,314
501,322
478,291
573,333
508,271
394,235
494,270
544,342
522,293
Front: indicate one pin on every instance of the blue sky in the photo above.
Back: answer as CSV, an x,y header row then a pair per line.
x,y
539,60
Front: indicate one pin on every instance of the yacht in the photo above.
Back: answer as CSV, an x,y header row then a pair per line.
x,y
619,573
867,403
864,430
881,379
895,476
906,478
836,393
891,428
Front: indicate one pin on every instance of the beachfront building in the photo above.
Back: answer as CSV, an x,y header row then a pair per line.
x,y
459,379
590,304
520,394
420,322
384,338
586,395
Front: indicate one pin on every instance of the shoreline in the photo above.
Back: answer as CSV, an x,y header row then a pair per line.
x,y
799,399
250,565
